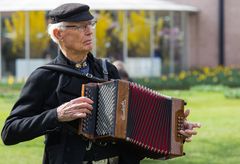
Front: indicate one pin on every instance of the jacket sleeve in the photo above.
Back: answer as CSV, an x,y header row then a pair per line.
x,y
28,118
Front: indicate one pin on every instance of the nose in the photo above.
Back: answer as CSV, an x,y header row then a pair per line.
x,y
88,30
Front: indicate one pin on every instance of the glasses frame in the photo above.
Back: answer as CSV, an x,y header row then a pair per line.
x,y
91,24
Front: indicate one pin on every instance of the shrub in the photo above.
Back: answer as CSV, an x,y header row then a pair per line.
x,y
232,93
225,76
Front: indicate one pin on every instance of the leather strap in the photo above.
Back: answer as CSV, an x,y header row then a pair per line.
x,y
70,71
105,71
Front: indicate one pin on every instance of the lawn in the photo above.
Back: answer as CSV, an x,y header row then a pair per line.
x,y
217,141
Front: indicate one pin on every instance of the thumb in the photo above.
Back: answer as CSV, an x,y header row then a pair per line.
x,y
186,113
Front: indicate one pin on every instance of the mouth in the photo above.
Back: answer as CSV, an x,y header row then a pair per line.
x,y
87,42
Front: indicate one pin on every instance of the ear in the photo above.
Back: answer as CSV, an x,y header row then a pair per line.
x,y
57,33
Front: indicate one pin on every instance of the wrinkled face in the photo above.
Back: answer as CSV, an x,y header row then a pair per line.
x,y
76,37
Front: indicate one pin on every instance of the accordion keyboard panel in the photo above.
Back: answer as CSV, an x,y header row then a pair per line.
x,y
87,125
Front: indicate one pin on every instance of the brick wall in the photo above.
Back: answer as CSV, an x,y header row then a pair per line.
x,y
232,32
203,33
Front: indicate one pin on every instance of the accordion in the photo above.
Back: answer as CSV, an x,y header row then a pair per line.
x,y
129,112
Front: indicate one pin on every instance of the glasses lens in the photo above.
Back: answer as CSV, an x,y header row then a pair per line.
x,y
93,24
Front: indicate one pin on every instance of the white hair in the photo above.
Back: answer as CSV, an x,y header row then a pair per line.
x,y
51,28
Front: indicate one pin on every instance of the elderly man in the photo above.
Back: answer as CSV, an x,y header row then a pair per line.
x,y
50,103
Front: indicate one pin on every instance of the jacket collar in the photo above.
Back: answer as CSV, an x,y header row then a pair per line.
x,y
94,64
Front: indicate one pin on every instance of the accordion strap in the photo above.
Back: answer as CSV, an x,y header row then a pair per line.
x,y
70,71
105,71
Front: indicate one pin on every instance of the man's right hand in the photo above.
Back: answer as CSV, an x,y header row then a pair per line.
x,y
74,109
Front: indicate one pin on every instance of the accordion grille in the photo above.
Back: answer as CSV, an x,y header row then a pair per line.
x,y
107,100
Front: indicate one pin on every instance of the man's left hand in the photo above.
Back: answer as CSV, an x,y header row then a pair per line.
x,y
189,127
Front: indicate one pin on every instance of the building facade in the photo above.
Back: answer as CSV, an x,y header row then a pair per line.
x,y
179,40
204,33
150,42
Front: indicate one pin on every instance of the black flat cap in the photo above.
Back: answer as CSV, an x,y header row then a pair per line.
x,y
70,12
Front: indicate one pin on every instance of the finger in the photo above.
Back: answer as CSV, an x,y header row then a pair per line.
x,y
78,106
189,125
80,115
74,109
184,134
186,123
84,110
83,105
82,99
190,132
196,125
186,113
188,139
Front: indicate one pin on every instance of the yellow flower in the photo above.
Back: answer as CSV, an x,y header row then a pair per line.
x,y
10,80
227,72
201,77
182,75
206,70
163,77
195,72
219,68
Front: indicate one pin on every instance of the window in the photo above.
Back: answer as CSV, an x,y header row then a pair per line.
x,y
139,34
109,35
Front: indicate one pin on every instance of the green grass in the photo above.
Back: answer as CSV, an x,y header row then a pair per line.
x,y
23,153
217,141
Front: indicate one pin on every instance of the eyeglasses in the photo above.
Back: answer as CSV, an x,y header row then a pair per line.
x,y
91,24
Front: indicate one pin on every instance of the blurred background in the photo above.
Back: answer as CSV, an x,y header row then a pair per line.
x,y
183,48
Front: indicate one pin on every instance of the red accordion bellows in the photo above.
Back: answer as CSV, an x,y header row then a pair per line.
x,y
149,127
136,114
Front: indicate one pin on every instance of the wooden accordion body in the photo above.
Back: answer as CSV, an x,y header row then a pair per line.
x,y
135,114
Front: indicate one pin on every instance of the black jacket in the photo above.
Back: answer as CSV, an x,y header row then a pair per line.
x,y
34,114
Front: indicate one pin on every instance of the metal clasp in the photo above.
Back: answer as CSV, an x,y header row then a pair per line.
x,y
89,146
89,75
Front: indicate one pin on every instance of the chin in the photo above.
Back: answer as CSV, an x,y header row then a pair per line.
x,y
89,48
